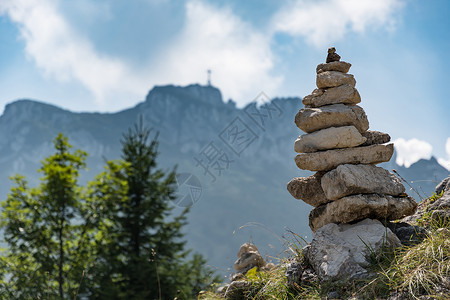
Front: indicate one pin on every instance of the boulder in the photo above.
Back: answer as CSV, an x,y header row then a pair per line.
x,y
340,66
336,115
329,138
339,252
375,137
360,179
345,94
330,159
329,79
358,207
308,189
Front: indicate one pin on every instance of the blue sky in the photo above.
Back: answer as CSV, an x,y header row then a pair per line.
x,y
105,56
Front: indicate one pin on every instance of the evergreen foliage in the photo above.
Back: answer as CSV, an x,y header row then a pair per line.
x,y
116,238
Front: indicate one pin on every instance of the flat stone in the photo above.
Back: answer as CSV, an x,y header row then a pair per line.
x,y
336,115
360,179
329,138
358,207
308,189
339,252
375,137
330,79
345,94
330,159
340,66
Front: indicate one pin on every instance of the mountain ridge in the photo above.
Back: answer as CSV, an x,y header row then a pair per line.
x,y
250,190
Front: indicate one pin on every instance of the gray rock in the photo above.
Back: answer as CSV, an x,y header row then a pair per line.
x,y
345,94
330,159
308,189
308,276
293,273
336,115
339,252
340,66
358,207
329,79
329,138
360,179
443,186
407,234
375,137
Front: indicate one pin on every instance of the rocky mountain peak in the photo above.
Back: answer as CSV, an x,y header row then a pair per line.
x,y
191,93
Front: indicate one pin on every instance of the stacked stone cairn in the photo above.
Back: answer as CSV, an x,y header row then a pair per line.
x,y
347,186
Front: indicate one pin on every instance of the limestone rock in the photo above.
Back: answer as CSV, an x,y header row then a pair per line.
x,y
339,66
443,186
345,94
248,257
329,138
358,207
339,251
360,179
336,115
375,137
330,159
330,79
332,55
308,189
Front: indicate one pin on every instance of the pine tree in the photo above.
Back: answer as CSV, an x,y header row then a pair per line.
x,y
143,250
41,230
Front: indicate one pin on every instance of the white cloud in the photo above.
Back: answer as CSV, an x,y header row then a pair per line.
x,y
238,55
446,162
323,22
60,52
410,151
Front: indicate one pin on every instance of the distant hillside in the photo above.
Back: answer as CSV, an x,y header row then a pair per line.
x,y
243,159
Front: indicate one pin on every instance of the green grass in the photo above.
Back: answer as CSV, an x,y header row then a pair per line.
x,y
422,269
